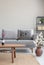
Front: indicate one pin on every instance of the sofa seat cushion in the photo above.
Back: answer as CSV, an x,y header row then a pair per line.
x,y
11,41
28,43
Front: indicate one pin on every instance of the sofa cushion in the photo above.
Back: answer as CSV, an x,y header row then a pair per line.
x,y
0,34
25,34
9,34
28,43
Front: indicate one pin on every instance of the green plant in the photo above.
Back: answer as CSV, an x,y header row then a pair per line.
x,y
42,20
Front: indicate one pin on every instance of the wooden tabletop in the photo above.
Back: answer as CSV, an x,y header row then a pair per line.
x,y
11,45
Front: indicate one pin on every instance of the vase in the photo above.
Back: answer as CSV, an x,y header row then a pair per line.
x,y
38,51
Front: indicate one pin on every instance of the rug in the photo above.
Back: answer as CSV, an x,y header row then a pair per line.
x,y
21,59
23,50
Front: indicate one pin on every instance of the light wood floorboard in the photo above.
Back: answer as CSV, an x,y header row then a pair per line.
x,y
21,59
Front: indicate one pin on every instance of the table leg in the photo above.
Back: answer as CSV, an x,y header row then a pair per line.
x,y
12,55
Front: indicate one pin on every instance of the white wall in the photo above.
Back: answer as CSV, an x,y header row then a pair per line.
x,y
20,14
43,5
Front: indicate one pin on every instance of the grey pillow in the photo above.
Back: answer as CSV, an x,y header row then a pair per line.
x,y
25,34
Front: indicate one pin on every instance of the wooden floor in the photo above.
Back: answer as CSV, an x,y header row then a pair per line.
x,y
21,59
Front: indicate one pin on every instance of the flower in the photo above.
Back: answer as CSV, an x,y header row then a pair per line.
x,y
38,40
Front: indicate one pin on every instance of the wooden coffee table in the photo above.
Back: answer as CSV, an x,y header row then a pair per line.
x,y
13,51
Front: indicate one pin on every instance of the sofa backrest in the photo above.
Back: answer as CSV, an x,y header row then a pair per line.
x,y
9,34
26,34
20,34
0,34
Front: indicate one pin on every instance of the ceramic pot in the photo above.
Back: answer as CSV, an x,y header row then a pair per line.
x,y
38,51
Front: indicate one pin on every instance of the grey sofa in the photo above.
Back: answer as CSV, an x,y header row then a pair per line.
x,y
21,36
